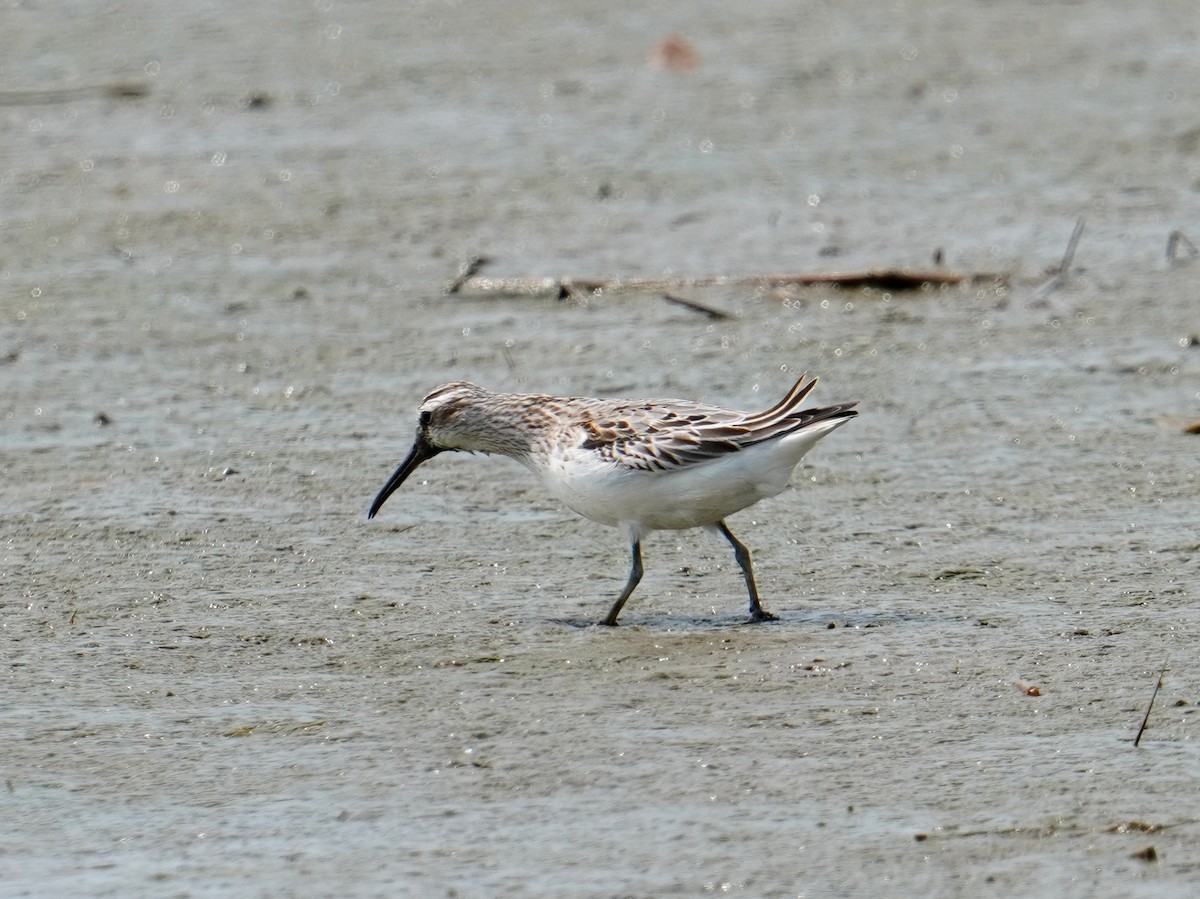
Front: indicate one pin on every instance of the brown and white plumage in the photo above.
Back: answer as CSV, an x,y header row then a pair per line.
x,y
640,465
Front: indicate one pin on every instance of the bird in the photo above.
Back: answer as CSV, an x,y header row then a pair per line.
x,y
638,465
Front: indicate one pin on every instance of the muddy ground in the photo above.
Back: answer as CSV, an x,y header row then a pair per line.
x,y
226,236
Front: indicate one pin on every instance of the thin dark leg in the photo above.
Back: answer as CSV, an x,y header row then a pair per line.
x,y
635,575
742,555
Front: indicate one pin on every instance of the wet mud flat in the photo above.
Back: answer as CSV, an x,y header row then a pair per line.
x,y
224,300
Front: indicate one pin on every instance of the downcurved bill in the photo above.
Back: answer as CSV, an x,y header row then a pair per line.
x,y
418,454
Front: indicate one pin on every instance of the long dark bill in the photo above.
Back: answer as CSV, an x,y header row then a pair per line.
x,y
420,452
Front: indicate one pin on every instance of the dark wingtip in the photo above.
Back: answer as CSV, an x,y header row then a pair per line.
x,y
845,410
839,412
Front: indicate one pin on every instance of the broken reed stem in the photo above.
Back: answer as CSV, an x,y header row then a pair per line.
x,y
881,279
709,311
1176,240
469,271
1060,276
1069,255
1153,696
117,90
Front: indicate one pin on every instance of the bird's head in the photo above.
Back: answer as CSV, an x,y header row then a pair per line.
x,y
448,419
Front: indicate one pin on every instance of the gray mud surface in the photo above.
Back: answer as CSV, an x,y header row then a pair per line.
x,y
227,228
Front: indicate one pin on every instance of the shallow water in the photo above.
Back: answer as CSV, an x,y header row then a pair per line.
x,y
222,680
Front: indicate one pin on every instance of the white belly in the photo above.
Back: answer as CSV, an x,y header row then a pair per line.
x,y
691,496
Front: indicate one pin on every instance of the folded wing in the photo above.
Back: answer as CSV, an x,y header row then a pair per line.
x,y
672,435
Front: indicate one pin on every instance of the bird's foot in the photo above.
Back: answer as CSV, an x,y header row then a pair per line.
x,y
761,614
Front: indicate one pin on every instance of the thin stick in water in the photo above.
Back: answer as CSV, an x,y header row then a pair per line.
x,y
469,271
709,311
1060,276
1069,255
1153,695
1176,240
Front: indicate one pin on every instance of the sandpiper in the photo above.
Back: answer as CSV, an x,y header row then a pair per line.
x,y
640,465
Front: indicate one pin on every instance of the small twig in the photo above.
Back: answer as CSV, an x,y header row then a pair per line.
x,y
714,314
1060,276
1153,696
119,90
1069,255
568,291
1176,239
469,271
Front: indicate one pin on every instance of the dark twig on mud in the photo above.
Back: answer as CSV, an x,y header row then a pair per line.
x,y
1146,719
893,279
1060,276
1069,255
118,90
714,314
469,271
1176,240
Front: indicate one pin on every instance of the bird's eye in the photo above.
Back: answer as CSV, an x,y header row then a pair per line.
x,y
424,418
